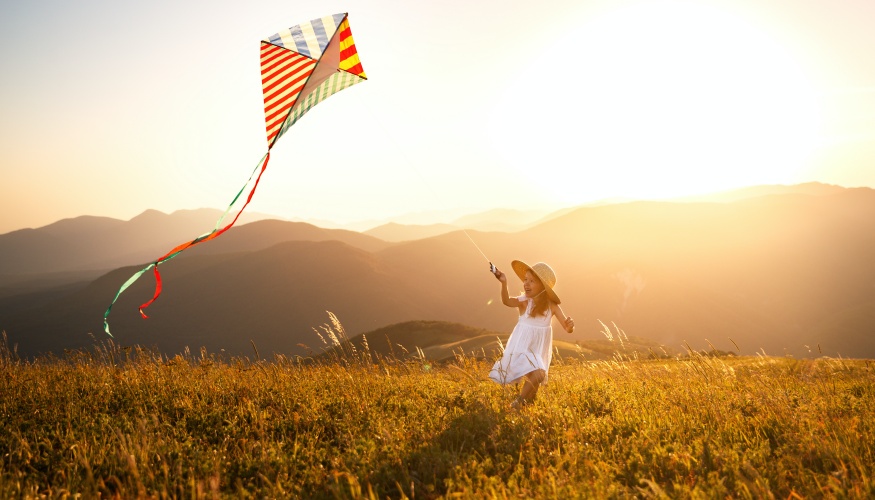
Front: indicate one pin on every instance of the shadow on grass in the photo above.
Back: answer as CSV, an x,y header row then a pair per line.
x,y
476,439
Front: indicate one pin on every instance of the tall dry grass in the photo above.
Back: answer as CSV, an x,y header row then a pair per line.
x,y
119,422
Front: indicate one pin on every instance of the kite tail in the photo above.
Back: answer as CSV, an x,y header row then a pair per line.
x,y
180,248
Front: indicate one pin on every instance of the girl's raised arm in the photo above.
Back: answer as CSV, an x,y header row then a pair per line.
x,y
506,299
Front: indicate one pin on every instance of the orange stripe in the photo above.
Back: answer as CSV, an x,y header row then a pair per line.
x,y
289,85
345,32
278,113
288,59
348,52
287,72
274,111
357,69
349,60
270,52
272,133
278,118
273,128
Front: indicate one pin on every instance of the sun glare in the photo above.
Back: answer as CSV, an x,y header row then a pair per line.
x,y
658,100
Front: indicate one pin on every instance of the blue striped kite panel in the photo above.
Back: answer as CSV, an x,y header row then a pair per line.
x,y
309,38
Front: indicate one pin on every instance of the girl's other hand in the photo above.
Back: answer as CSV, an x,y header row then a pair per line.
x,y
569,324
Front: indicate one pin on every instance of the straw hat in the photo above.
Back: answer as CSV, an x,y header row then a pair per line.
x,y
542,271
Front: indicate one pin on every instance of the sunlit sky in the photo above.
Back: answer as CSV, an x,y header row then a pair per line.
x,y
112,108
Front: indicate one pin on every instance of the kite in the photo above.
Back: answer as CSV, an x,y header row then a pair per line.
x,y
300,67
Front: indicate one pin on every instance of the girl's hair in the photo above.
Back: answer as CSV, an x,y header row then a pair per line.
x,y
542,301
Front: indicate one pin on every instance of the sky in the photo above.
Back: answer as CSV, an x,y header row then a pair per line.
x,y
113,108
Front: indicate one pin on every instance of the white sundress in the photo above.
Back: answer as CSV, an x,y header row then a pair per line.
x,y
529,348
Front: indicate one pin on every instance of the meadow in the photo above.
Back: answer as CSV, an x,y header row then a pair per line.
x,y
128,422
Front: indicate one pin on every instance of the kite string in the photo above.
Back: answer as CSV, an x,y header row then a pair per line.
x,y
475,245
427,184
262,163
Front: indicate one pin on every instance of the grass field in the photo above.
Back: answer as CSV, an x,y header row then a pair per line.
x,y
119,422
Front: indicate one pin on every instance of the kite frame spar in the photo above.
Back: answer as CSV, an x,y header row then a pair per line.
x,y
300,67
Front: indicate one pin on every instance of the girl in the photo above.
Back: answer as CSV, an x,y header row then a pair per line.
x,y
530,346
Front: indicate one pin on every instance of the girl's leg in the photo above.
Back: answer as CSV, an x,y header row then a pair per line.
x,y
531,384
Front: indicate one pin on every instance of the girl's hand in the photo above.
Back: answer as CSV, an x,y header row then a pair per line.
x,y
500,276
569,324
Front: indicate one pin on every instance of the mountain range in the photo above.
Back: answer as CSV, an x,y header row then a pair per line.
x,y
775,269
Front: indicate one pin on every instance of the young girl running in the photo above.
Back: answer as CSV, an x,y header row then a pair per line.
x,y
529,349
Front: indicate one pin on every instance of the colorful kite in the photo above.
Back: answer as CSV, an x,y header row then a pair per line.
x,y
300,67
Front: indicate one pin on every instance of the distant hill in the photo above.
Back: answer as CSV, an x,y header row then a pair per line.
x,y
89,246
23,294
501,219
100,243
401,232
273,296
266,233
505,220
785,273
768,272
809,188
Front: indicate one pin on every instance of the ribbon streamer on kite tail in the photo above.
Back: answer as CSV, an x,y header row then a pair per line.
x,y
180,248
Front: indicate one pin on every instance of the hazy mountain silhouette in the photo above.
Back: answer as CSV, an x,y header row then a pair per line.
x,y
100,243
769,272
265,233
402,232
775,272
29,251
500,219
809,188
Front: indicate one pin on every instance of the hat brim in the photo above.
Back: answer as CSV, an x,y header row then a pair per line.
x,y
520,268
